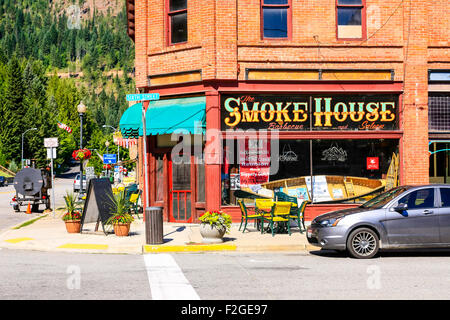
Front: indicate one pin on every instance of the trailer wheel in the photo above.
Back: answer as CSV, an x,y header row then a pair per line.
x,y
34,207
16,208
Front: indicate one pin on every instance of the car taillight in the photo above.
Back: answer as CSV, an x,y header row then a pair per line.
x,y
44,197
14,199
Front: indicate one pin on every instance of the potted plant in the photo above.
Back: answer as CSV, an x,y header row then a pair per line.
x,y
72,217
120,218
214,225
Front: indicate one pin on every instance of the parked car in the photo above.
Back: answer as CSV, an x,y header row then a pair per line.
x,y
2,181
403,217
76,183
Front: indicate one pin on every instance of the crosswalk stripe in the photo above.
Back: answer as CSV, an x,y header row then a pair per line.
x,y
167,281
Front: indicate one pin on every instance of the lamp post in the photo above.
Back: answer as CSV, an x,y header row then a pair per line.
x,y
23,134
81,108
107,147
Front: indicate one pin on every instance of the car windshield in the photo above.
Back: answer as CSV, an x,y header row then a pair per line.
x,y
380,200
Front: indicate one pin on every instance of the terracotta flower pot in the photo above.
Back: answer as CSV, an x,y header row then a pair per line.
x,y
211,234
122,229
73,226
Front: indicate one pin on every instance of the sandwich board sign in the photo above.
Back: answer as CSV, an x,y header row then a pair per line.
x,y
99,203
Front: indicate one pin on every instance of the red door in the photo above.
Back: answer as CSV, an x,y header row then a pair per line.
x,y
180,192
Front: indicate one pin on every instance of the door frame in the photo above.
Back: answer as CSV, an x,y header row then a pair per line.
x,y
171,216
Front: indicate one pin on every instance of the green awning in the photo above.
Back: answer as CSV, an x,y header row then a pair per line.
x,y
184,115
131,121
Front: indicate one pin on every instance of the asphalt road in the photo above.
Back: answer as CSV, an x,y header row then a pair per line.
x,y
223,276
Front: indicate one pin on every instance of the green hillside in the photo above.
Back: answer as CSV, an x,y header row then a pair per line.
x,y
53,56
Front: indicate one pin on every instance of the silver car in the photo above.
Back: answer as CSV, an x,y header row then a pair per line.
x,y
403,217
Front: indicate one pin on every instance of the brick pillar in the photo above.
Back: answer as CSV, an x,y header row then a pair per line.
x,y
141,16
213,151
415,159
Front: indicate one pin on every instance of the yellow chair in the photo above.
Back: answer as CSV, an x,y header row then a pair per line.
x,y
279,214
298,214
134,206
245,217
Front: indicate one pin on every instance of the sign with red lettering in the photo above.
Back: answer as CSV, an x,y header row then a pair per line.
x,y
373,163
254,160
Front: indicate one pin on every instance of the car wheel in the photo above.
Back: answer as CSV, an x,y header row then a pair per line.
x,y
363,243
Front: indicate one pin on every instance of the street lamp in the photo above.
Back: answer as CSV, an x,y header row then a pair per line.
x,y
107,147
22,142
81,108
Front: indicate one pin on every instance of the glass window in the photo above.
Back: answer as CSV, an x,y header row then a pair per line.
x,y
159,178
178,21
200,181
419,199
315,170
275,18
445,197
349,19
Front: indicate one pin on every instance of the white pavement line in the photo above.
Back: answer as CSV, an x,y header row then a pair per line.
x,y
167,281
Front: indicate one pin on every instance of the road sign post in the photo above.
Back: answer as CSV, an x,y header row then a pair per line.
x,y
51,144
144,97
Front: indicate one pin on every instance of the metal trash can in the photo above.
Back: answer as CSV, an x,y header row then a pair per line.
x,y
154,225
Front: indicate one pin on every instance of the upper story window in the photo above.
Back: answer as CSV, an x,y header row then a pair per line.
x,y
276,18
350,19
177,21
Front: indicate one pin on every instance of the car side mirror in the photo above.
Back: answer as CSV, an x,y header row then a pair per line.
x,y
401,207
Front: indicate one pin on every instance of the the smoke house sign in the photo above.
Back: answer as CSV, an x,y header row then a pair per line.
x,y
325,112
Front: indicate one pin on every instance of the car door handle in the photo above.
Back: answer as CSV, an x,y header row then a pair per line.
x,y
427,211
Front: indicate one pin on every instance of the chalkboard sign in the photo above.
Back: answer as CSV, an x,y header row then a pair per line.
x,y
99,203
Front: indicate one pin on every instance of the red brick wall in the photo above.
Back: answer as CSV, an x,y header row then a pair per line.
x,y
225,39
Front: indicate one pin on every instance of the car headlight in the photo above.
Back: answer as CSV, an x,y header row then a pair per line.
x,y
330,222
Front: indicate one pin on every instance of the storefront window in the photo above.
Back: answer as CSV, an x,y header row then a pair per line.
x,y
159,177
313,170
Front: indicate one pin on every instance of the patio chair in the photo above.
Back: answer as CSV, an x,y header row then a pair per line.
x,y
245,217
134,202
279,214
297,211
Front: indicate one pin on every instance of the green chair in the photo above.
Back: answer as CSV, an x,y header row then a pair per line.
x,y
245,217
297,211
280,215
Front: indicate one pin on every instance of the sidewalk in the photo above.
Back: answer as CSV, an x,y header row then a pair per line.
x,y
48,233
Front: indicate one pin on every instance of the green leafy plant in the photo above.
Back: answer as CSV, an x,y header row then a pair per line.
x,y
217,219
71,207
120,209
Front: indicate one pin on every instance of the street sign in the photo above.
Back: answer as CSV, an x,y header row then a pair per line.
x,y
143,97
51,142
51,153
110,158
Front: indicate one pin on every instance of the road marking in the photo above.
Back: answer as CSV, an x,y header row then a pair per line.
x,y
188,248
167,281
17,240
84,246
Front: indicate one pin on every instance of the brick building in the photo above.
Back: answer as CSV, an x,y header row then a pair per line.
x,y
336,82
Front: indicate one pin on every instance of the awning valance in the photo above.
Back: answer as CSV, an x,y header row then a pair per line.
x,y
184,115
131,121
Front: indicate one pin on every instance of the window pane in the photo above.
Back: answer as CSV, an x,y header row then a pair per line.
x,y
438,112
419,199
178,5
445,197
350,2
275,1
159,178
439,76
201,182
275,23
179,28
349,16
